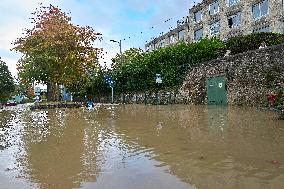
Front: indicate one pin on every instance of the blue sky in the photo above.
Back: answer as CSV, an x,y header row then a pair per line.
x,y
115,19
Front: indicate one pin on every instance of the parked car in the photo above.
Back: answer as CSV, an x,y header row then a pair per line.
x,y
11,103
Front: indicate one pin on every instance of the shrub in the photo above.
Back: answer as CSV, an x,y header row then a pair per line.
x,y
172,62
252,41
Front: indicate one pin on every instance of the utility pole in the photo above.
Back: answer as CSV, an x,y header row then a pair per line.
x,y
120,51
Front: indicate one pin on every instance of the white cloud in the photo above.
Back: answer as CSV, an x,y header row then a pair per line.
x,y
14,18
11,63
109,17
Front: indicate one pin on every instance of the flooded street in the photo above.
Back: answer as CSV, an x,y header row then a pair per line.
x,y
141,147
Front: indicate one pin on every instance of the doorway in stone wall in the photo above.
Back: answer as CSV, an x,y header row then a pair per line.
x,y
216,90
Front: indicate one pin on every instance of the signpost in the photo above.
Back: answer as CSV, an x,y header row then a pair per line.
x,y
158,81
111,83
37,94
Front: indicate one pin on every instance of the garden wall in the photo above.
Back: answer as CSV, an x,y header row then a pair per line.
x,y
250,76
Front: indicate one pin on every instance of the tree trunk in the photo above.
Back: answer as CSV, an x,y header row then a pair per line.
x,y
52,91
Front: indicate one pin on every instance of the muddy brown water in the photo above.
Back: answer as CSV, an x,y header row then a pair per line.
x,y
141,147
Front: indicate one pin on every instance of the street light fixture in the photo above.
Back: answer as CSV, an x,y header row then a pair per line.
x,y
119,42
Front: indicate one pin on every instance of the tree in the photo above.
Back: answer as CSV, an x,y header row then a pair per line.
x,y
7,86
57,52
121,66
126,57
136,72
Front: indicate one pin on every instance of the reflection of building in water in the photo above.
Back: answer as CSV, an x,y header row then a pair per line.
x,y
59,159
77,146
193,149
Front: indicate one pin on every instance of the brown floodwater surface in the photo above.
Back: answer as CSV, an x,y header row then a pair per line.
x,y
141,147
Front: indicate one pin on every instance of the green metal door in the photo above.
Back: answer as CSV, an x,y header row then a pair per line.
x,y
217,90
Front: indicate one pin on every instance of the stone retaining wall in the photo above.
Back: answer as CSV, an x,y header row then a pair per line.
x,y
250,76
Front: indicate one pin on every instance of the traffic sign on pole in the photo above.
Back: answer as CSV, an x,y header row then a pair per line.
x,y
111,83
158,78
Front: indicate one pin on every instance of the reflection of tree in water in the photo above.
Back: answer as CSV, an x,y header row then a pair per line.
x,y
5,126
55,143
5,117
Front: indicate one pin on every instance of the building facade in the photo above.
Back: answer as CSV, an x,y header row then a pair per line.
x,y
225,19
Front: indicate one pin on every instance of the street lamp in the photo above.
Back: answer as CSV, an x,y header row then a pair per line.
x,y
119,42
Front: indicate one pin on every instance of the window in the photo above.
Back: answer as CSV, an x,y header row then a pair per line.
x,y
148,48
260,9
214,28
232,2
171,38
198,16
262,29
156,46
162,43
214,8
234,20
283,27
181,35
198,34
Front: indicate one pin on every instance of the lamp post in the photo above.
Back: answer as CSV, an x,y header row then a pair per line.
x,y
120,51
119,42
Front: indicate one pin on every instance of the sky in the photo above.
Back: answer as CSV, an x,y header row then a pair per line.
x,y
128,20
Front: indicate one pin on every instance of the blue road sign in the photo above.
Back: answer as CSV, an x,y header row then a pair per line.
x,y
109,81
158,78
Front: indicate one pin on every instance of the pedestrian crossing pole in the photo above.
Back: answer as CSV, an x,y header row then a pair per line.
x,y
112,95
111,84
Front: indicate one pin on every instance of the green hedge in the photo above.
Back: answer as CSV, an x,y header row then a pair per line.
x,y
136,72
252,41
172,62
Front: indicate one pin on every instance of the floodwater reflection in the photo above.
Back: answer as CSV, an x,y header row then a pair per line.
x,y
137,146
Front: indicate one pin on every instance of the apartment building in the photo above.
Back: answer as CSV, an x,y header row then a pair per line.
x,y
225,19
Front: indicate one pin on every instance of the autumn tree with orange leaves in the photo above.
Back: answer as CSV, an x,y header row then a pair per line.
x,y
57,52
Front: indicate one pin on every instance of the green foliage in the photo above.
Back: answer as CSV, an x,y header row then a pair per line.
x,y
137,72
253,41
126,56
279,100
55,51
97,87
7,86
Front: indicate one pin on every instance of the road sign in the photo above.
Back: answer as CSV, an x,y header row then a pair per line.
x,y
158,78
109,81
37,91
